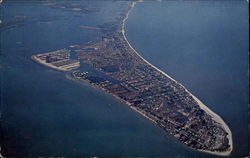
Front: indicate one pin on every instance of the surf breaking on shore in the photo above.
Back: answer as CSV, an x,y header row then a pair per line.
x,y
214,116
60,60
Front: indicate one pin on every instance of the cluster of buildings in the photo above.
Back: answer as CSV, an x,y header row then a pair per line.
x,y
134,81
59,59
152,93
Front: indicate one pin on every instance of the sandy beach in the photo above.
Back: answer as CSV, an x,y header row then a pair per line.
x,y
46,64
215,117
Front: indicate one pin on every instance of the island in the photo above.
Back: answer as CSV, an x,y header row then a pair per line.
x,y
116,68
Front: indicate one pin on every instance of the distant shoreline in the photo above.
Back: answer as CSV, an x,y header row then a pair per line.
x,y
215,116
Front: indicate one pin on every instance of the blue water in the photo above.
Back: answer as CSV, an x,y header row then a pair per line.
x,y
43,113
204,46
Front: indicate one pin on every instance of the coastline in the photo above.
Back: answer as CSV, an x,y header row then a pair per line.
x,y
46,64
88,83
84,82
215,116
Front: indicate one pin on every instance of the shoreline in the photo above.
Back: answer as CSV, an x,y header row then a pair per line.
x,y
46,64
84,82
214,116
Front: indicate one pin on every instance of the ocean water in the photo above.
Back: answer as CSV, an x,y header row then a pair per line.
x,y
204,46
44,113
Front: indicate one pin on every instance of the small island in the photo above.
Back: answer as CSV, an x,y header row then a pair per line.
x,y
124,74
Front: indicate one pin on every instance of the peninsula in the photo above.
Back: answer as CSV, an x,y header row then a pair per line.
x,y
123,73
